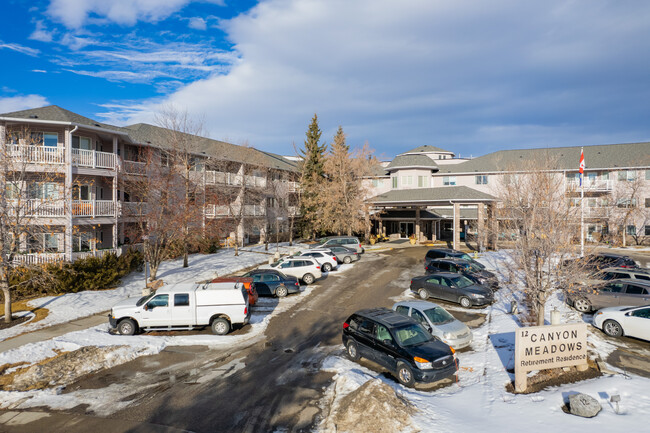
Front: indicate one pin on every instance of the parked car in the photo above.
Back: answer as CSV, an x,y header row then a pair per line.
x,y
246,282
437,321
326,259
628,321
351,242
608,274
452,287
399,344
342,254
599,261
465,267
304,268
441,253
270,282
183,306
626,292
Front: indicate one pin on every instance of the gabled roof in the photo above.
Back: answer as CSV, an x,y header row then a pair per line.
x,y
412,161
604,156
427,149
432,196
58,114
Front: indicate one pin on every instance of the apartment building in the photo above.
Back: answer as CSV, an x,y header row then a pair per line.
x,y
423,191
75,169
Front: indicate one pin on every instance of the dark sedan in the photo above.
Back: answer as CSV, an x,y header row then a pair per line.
x,y
452,287
597,262
465,267
269,282
398,343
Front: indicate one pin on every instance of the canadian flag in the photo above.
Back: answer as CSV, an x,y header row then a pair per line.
x,y
582,164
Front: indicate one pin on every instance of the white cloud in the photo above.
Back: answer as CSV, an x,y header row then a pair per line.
x,y
76,13
132,77
40,71
20,48
41,34
17,103
197,23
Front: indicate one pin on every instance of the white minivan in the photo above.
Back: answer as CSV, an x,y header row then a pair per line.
x,y
184,306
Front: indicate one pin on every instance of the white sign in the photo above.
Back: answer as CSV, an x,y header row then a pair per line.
x,y
544,347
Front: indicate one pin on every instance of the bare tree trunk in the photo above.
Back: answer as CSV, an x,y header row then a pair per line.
x,y
4,285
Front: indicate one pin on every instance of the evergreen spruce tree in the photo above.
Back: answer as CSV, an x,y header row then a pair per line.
x,y
312,167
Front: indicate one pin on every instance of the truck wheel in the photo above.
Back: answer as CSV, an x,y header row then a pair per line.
x,y
347,260
308,278
220,326
281,292
127,327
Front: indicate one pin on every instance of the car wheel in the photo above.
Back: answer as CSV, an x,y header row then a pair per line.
x,y
281,292
327,267
582,305
352,350
347,260
308,278
465,302
127,327
220,326
423,294
612,328
405,374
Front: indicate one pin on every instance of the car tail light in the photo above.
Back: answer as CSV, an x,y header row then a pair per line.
x,y
626,266
245,310
346,325
297,284
359,245
317,267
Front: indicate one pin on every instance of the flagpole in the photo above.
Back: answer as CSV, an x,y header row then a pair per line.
x,y
582,210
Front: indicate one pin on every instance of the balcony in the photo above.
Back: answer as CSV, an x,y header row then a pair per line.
x,y
37,258
591,185
256,181
94,159
93,208
133,209
36,154
37,207
213,210
97,253
254,210
134,167
596,212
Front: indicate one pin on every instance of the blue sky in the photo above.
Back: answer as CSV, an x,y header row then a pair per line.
x,y
468,76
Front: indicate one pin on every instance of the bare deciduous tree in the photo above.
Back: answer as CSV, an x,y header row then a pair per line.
x,y
627,206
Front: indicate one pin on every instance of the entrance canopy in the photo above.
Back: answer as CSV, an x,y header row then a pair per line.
x,y
423,197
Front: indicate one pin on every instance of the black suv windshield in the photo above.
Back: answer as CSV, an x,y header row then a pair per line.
x,y
411,335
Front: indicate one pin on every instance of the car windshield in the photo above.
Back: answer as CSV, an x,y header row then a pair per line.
x,y
144,299
474,267
438,316
412,335
461,282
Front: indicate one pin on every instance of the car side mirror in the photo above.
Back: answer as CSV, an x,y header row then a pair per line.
x,y
146,307
388,343
428,328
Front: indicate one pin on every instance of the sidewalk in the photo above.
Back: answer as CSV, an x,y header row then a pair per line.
x,y
54,331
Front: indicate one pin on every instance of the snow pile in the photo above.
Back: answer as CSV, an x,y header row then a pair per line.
x,y
65,308
479,400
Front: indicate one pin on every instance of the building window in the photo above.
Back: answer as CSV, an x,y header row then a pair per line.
x,y
394,178
647,175
407,180
647,202
630,230
481,179
604,175
43,190
626,203
626,175
647,228
378,183
449,180
423,182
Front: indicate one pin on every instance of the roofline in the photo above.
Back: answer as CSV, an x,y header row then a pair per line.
x,y
420,153
564,170
62,123
400,167
450,201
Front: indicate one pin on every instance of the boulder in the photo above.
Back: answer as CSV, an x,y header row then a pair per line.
x,y
584,405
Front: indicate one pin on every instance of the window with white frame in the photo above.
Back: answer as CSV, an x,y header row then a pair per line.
x,y
647,175
423,182
394,179
481,179
43,190
449,180
83,143
626,202
81,241
647,202
626,175
407,180
604,175
377,183
630,230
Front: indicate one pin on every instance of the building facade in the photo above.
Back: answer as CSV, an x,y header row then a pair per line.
x,y
423,191
75,174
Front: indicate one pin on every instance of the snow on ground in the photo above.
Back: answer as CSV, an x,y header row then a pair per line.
x,y
479,401
70,306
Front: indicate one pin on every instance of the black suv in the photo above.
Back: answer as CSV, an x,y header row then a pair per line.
x,y
399,344
596,262
464,267
441,253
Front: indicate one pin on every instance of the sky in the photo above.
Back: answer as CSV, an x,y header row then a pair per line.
x,y
471,77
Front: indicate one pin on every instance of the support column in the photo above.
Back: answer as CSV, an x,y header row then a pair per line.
x,y
68,194
116,206
480,223
492,226
417,225
456,227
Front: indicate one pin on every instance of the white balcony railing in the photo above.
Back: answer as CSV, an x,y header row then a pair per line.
x,y
132,209
94,159
591,185
213,177
256,181
213,210
93,208
254,210
37,154
293,210
134,167
97,253
37,207
38,258
596,212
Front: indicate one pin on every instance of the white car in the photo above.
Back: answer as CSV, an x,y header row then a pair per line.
x,y
437,321
304,268
628,321
327,259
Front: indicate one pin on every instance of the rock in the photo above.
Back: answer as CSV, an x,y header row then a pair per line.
x,y
584,405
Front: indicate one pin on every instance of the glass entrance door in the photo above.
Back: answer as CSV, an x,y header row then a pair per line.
x,y
406,229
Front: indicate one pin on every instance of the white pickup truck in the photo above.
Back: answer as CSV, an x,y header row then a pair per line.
x,y
183,306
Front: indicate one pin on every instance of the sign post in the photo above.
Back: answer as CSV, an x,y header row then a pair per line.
x,y
544,347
